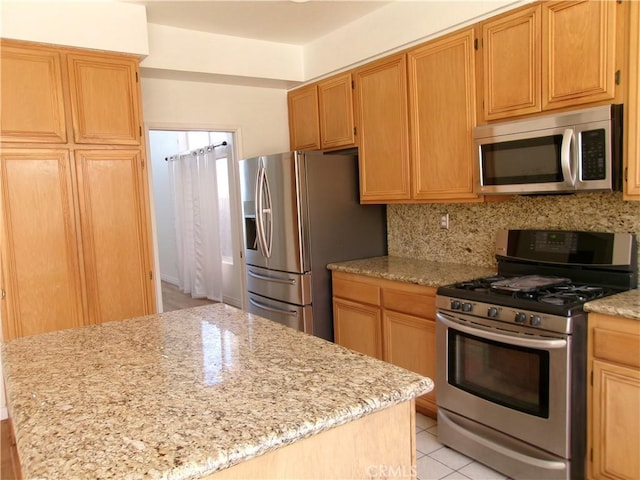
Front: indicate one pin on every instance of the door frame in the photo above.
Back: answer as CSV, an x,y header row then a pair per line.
x,y
234,193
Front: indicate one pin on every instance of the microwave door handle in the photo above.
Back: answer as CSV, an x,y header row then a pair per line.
x,y
566,159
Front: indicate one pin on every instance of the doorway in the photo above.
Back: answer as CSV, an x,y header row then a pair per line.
x,y
165,146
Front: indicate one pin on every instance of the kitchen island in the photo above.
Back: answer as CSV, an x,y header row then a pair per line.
x,y
205,392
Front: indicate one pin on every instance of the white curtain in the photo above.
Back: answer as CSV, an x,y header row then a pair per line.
x,y
194,187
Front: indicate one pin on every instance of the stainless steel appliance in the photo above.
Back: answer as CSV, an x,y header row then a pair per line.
x,y
562,152
511,350
301,211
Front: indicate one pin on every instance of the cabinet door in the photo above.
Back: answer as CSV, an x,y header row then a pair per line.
x,y
304,128
104,99
616,421
358,327
335,102
32,95
114,235
632,107
511,64
410,342
442,106
39,243
382,130
578,52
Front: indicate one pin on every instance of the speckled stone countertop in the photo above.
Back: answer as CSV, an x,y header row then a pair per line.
x,y
182,394
626,304
409,270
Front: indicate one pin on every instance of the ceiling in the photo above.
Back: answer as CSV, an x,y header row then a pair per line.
x,y
295,22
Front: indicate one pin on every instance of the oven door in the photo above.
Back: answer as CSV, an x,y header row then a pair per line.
x,y
513,382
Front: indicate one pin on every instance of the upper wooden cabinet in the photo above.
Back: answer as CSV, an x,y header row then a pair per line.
x,y
335,102
103,89
511,64
552,55
32,95
632,107
304,123
442,112
381,112
104,99
321,115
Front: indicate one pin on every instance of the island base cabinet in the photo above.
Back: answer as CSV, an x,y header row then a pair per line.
x,y
379,445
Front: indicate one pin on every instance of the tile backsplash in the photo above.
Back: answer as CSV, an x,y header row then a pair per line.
x,y
414,229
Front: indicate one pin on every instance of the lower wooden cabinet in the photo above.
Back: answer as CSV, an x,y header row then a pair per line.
x,y
389,320
614,397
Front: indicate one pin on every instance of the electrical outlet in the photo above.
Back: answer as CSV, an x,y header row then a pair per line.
x,y
444,221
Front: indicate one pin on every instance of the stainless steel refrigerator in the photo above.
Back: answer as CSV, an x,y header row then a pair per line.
x,y
301,211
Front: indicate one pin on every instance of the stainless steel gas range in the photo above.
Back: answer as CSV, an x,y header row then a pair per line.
x,y
512,350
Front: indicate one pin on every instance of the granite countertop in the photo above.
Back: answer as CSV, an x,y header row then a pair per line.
x,y
410,270
626,304
182,394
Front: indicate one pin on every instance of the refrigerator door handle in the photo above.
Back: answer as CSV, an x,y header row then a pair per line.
x,y
291,313
289,281
263,214
258,208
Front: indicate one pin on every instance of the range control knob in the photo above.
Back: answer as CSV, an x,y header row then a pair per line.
x,y
467,307
455,304
521,317
535,320
492,312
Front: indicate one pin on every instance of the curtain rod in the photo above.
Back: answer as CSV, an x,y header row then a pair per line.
x,y
208,147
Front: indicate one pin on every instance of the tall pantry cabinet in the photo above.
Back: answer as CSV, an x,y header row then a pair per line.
x,y
75,238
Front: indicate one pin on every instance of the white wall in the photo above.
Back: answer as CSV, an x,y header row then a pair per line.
x,y
258,114
101,25
183,50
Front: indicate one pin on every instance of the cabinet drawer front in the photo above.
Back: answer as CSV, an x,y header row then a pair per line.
x,y
616,347
419,304
359,292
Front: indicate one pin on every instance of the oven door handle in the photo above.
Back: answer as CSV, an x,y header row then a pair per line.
x,y
547,343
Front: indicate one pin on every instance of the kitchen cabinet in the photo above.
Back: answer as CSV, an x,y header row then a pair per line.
x,y
113,228
335,104
555,54
32,95
321,115
382,126
614,397
40,254
304,123
511,64
389,320
442,116
632,107
75,233
103,91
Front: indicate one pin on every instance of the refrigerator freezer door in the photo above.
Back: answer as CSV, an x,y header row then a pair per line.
x,y
294,316
288,287
273,203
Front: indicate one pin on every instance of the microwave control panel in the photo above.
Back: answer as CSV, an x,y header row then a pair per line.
x,y
592,144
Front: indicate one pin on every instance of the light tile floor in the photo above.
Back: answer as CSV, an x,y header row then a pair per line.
x,y
434,461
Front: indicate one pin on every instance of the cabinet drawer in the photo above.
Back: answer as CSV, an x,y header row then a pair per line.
x,y
421,304
357,291
616,347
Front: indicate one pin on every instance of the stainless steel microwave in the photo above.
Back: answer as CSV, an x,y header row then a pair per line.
x,y
572,151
